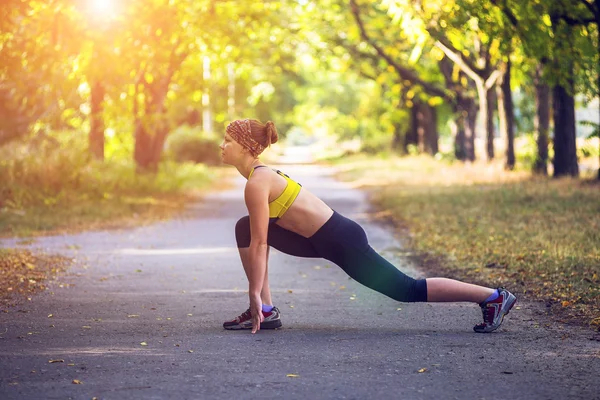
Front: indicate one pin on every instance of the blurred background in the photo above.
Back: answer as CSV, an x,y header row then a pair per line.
x,y
116,98
460,113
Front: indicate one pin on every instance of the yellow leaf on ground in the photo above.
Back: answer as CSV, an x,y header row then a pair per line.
x,y
55,361
144,344
422,370
77,382
293,376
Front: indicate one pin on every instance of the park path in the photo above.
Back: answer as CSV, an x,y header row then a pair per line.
x,y
139,317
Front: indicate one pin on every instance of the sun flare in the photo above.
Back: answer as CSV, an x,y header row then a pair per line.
x,y
102,7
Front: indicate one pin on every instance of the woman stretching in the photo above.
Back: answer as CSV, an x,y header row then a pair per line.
x,y
288,217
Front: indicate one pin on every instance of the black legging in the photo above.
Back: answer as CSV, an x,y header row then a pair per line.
x,y
343,242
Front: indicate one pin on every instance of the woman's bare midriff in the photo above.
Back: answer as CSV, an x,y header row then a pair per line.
x,y
307,214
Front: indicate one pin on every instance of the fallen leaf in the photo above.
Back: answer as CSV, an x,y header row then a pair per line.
x,y
50,315
290,291
422,370
190,351
293,376
86,327
77,382
71,365
133,316
55,361
144,344
189,315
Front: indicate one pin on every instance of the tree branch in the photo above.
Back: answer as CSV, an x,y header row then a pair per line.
x,y
459,61
590,6
575,21
454,50
507,12
404,73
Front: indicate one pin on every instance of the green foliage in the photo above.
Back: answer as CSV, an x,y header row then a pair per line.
x,y
191,144
55,170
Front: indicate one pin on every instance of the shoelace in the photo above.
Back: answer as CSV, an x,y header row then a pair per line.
x,y
486,315
244,315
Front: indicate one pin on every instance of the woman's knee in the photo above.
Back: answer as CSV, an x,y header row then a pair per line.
x,y
242,232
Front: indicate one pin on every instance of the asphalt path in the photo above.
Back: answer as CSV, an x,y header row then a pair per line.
x,y
139,315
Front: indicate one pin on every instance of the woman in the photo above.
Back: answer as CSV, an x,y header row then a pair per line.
x,y
288,217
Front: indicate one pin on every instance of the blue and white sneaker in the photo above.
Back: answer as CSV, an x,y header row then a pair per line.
x,y
495,310
244,321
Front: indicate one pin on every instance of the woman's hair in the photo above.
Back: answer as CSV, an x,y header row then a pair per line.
x,y
265,134
252,134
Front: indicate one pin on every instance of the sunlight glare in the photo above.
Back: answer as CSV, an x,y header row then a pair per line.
x,y
102,7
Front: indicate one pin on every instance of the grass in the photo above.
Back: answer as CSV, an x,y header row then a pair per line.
x,y
537,236
56,191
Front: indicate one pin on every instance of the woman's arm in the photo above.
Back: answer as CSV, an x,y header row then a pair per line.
x,y
257,201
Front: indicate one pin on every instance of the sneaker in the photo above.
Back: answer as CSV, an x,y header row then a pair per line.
x,y
272,321
495,310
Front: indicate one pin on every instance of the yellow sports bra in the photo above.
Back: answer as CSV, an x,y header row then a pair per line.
x,y
281,204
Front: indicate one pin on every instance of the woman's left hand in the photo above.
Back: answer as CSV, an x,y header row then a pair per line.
x,y
256,312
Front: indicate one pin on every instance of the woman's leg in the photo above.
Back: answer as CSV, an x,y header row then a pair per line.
x,y
283,240
265,293
444,289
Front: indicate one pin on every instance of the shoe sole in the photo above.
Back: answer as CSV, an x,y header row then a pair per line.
x,y
264,325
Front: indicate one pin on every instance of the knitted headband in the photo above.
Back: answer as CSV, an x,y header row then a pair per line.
x,y
240,131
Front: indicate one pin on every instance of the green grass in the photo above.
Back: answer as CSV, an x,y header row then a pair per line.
x,y
537,236
59,189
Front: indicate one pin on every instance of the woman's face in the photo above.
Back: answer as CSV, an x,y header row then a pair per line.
x,y
231,151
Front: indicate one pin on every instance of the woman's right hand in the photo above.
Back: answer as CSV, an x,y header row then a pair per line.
x,y
256,312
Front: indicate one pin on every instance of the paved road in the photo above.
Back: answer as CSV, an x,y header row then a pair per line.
x,y
139,317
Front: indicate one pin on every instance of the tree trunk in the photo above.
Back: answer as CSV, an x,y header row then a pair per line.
x,y
470,128
96,134
506,115
489,123
397,140
458,131
433,136
427,129
412,135
565,145
541,122
148,147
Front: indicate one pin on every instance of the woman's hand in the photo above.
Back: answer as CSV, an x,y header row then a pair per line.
x,y
256,312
